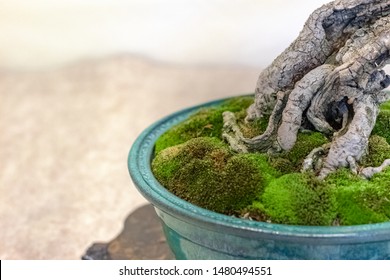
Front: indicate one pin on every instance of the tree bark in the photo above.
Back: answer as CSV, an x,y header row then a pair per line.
x,y
330,77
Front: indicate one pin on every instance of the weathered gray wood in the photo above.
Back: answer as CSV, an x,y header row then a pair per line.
x,y
349,147
331,77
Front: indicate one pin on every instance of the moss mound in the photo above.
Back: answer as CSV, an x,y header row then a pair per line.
x,y
360,201
298,199
204,172
195,164
378,151
382,125
342,199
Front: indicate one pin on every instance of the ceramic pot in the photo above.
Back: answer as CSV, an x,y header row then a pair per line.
x,y
196,233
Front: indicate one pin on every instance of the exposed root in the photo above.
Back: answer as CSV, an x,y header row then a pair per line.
x,y
352,165
232,133
368,172
299,100
267,141
329,80
313,163
348,148
328,29
314,160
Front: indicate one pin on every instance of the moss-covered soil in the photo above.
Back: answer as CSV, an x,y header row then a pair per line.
x,y
193,162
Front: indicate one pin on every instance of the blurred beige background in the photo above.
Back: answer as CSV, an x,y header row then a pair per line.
x,y
79,80
43,33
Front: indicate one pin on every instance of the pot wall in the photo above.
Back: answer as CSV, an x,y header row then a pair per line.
x,y
188,241
196,233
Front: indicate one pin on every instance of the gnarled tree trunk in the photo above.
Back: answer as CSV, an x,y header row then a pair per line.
x,y
330,77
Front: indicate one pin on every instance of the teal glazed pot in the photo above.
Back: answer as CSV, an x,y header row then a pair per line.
x,y
196,233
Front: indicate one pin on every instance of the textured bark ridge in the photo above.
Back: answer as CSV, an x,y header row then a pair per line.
x,y
330,79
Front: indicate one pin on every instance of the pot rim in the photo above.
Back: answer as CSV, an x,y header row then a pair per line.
x,y
139,165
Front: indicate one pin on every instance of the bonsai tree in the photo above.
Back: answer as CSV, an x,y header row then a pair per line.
x,y
330,79
316,110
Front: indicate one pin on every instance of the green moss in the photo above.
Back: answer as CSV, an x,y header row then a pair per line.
x,y
377,196
351,212
261,162
342,178
237,104
378,151
382,125
291,161
194,163
205,123
283,165
204,172
305,143
251,129
166,164
298,199
255,211
385,106
359,201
